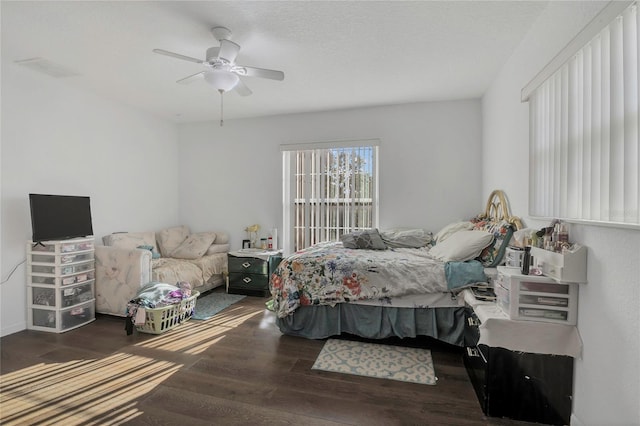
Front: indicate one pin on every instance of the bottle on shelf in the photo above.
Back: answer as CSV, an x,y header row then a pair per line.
x,y
563,236
274,238
526,260
546,241
555,237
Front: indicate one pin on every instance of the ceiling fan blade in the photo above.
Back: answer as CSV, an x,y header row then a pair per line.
x,y
190,79
228,50
242,89
177,55
259,72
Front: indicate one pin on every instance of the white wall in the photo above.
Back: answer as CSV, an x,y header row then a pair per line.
x,y
62,141
607,377
231,176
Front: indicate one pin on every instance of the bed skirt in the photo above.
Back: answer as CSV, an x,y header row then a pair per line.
x,y
375,322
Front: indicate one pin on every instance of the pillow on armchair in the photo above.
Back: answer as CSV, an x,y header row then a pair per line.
x,y
221,237
218,248
194,246
170,238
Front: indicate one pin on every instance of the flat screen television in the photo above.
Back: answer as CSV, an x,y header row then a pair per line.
x,y
60,217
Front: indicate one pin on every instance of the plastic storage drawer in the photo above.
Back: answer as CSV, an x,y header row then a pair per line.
x,y
48,319
60,247
61,259
66,280
67,296
69,269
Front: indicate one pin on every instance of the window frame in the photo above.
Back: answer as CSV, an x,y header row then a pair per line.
x,y
289,152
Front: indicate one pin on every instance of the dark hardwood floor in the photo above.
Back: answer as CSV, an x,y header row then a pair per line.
x,y
236,368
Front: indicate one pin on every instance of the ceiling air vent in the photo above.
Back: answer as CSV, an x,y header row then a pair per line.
x,y
47,67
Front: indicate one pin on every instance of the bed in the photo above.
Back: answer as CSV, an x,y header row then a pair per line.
x,y
397,283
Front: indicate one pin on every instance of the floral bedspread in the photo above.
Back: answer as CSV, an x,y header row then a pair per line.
x,y
328,273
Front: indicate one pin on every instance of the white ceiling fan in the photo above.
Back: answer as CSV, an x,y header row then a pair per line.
x,y
220,68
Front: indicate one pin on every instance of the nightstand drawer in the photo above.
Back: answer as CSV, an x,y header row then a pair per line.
x,y
248,265
249,284
252,281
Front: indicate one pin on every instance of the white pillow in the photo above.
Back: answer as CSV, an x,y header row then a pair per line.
x,y
461,246
194,246
170,238
451,229
221,237
218,248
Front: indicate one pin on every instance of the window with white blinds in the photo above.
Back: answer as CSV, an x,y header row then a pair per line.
x,y
584,149
330,189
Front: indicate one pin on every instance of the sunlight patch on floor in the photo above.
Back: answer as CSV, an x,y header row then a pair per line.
x,y
80,391
194,337
105,391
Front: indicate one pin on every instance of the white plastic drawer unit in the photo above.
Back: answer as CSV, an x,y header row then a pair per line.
x,y
536,298
60,284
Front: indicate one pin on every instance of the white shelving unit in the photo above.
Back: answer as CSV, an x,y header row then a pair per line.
x,y
60,284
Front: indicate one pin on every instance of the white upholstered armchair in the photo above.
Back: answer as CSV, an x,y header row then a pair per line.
x,y
130,260
119,275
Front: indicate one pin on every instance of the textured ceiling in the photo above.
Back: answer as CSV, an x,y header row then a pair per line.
x,y
335,54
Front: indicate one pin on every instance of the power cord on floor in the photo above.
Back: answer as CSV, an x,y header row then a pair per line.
x,y
12,271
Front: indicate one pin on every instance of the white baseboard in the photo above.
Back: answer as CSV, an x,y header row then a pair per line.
x,y
14,328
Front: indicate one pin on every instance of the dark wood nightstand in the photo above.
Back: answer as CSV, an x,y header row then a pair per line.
x,y
249,271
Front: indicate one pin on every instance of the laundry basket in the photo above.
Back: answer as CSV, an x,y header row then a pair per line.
x,y
159,320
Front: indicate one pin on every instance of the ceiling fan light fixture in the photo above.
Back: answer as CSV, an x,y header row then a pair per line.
x,y
240,70
220,68
221,79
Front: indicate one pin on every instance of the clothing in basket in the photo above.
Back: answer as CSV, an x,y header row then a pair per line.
x,y
153,296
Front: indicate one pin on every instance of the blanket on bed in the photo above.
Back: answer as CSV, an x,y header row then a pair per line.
x,y
329,273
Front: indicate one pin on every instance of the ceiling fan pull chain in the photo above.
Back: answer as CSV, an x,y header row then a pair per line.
x,y
221,107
